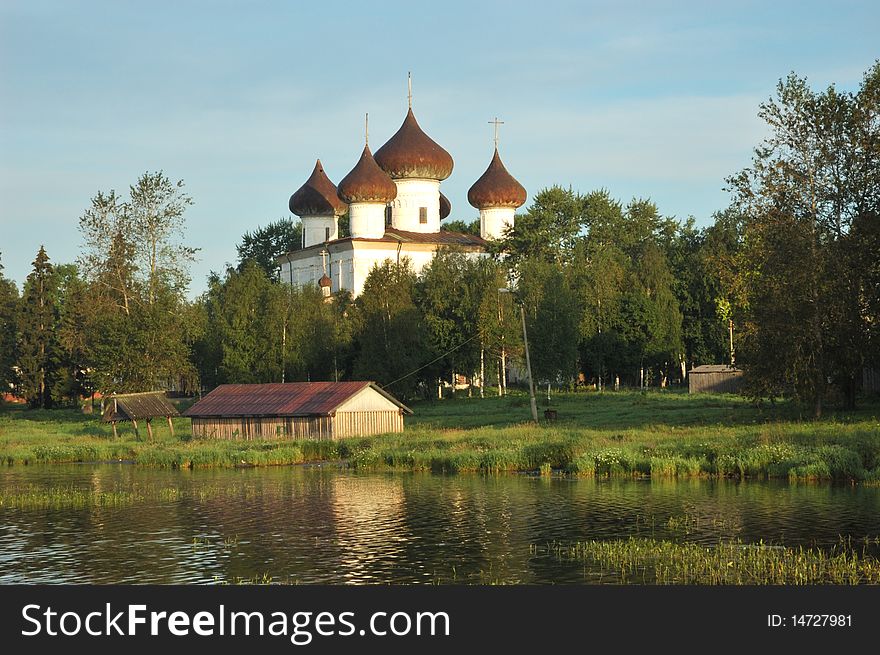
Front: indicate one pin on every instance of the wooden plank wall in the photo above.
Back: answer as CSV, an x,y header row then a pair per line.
x,y
352,424
716,382
344,424
251,428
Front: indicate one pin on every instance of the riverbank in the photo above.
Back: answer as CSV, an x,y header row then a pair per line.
x,y
627,434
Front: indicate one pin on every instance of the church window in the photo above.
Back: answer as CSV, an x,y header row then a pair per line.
x,y
388,215
423,215
326,234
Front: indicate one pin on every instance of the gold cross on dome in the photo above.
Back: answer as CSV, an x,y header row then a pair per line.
x,y
496,123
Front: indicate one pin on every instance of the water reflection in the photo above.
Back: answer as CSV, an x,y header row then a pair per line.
x,y
313,525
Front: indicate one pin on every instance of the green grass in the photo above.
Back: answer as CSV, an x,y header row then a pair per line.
x,y
622,434
651,561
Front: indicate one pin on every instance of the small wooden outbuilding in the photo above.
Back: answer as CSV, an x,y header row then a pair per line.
x,y
138,406
714,378
296,410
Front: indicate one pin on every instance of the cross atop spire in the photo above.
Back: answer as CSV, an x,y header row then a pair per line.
x,y
496,123
367,129
324,254
409,89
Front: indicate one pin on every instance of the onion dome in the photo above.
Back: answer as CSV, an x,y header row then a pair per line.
x,y
317,197
412,153
325,281
367,182
496,188
445,207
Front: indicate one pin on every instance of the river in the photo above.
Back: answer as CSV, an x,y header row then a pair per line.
x,y
118,523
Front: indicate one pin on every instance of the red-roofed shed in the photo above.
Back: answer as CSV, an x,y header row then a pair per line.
x,y
297,410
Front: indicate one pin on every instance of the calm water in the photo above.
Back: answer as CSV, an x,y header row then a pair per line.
x,y
313,525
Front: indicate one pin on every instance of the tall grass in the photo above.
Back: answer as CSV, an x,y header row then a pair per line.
x,y
651,561
625,434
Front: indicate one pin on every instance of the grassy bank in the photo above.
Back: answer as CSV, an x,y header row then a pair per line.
x,y
657,434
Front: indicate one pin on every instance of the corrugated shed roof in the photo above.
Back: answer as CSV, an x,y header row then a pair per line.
x,y
715,368
281,399
128,406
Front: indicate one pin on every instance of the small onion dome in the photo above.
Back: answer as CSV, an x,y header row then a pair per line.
x,y
412,153
367,182
317,197
496,188
325,281
445,207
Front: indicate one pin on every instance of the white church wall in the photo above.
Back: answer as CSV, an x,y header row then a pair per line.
x,y
494,220
412,196
318,229
349,266
366,220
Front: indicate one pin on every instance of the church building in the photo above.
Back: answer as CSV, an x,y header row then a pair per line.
x,y
395,207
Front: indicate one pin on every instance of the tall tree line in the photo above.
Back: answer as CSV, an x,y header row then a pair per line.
x,y
785,283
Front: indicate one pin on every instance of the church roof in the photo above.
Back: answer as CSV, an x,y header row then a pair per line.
x,y
367,182
317,197
496,187
442,238
412,153
445,206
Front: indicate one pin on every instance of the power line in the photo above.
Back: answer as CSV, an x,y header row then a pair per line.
x,y
436,359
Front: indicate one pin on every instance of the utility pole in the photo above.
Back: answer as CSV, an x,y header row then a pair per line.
x,y
532,402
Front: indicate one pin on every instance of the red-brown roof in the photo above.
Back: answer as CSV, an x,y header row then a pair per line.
x,y
281,399
317,197
496,188
443,237
412,153
366,182
445,206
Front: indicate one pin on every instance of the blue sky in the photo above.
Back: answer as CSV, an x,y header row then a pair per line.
x,y
648,99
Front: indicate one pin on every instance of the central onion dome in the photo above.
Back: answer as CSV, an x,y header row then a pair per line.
x,y
367,182
317,197
445,207
496,188
411,153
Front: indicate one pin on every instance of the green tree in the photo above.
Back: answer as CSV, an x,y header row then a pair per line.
x,y
70,355
137,265
37,317
552,315
811,184
265,244
9,305
462,226
448,295
549,229
390,333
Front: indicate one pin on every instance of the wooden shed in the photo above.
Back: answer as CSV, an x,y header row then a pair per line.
x,y
138,406
296,410
714,378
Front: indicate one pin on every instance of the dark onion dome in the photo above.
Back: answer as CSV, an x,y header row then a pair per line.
x,y
325,281
367,182
412,153
317,197
445,207
496,188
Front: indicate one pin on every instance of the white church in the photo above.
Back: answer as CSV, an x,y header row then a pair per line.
x,y
395,207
